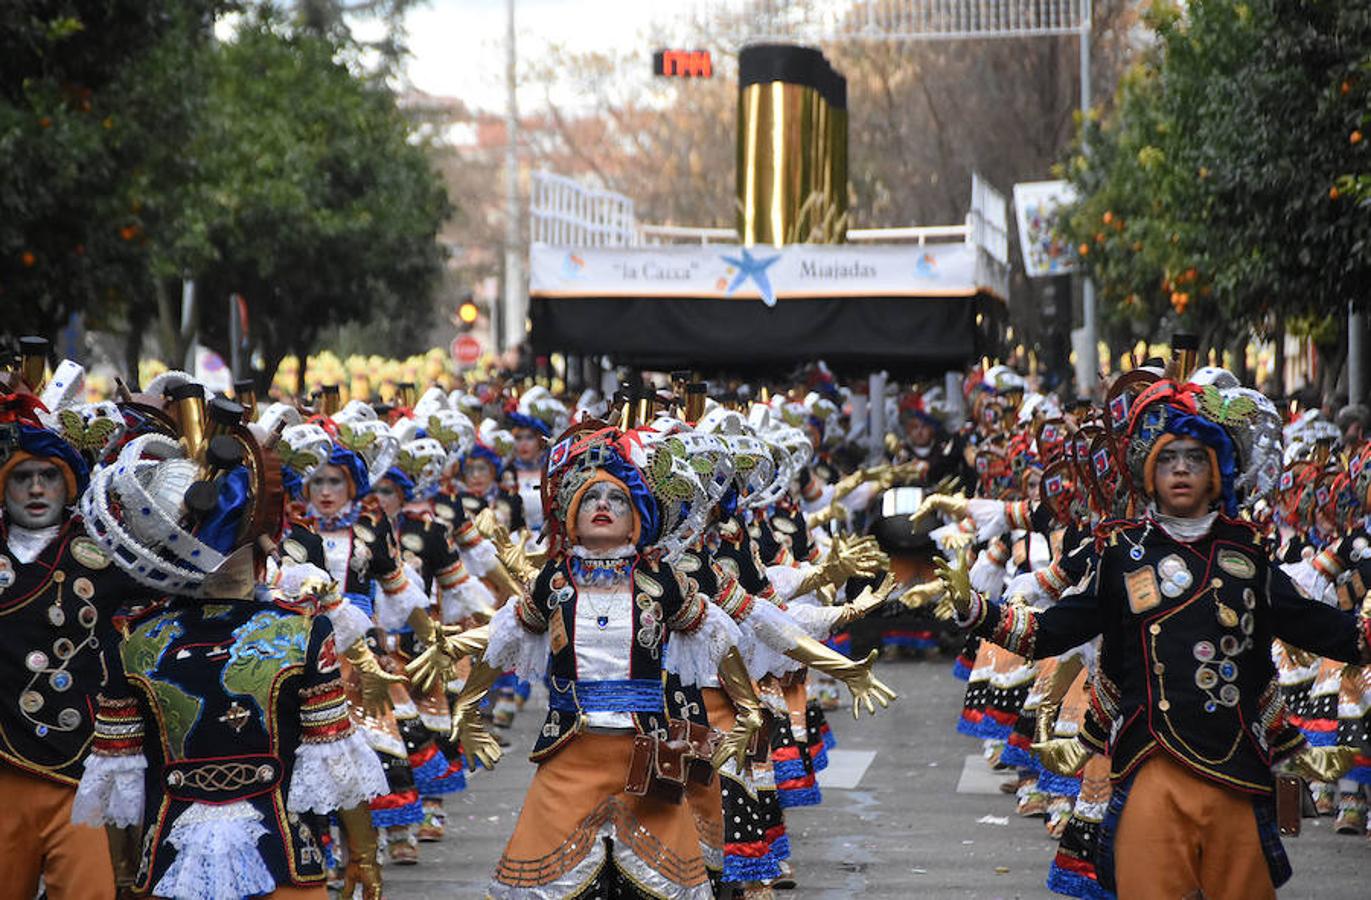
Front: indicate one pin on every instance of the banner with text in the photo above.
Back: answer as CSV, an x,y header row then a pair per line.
x,y
766,273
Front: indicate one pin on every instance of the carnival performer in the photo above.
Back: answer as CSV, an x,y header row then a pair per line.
x,y
224,727
603,816
58,598
361,553
1187,602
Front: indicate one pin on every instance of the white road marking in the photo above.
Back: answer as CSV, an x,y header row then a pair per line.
x,y
845,769
979,778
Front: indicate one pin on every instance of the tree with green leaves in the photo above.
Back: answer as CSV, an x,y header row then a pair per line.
x,y
1210,198
322,209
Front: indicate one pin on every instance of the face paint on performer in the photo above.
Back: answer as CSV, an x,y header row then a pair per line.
x,y
480,476
35,494
604,519
390,496
1183,479
528,443
329,490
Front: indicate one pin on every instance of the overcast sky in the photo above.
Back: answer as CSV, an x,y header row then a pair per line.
x,y
458,45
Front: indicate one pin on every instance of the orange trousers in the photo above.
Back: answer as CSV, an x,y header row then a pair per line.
x,y
39,840
1182,836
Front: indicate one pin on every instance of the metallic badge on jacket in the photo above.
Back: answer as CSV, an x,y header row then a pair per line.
x,y
1175,576
1237,564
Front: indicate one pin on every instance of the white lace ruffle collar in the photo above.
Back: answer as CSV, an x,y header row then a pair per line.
x,y
623,551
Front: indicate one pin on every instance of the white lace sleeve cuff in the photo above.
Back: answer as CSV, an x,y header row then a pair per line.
x,y
514,647
349,624
464,600
111,791
987,576
394,607
1309,580
786,579
989,517
767,633
818,622
695,655
334,775
1026,585
480,558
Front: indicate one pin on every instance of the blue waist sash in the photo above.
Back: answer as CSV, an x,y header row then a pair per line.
x,y
627,695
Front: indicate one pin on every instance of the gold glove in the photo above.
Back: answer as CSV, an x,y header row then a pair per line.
x,y
362,867
954,505
124,846
848,483
734,680
1064,756
957,581
467,727
920,595
1062,679
1324,763
847,558
515,572
947,485
376,681
867,602
834,512
435,663
865,687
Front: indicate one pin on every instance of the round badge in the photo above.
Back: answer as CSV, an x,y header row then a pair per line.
x,y
56,616
1135,554
364,533
445,512
1210,706
1204,651
1229,645
1249,598
1171,589
6,572
69,718
294,549
1228,695
59,576
82,588
1228,670
60,680
30,702
87,616
36,661
89,554
1170,567
1205,678
64,648
1248,622
412,542
1183,579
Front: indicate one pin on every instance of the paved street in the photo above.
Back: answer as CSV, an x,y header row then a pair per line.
x,y
903,831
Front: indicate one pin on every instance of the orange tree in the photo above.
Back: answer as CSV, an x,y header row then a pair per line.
x,y
1223,159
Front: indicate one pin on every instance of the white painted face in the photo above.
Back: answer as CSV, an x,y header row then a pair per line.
x,y
605,517
328,490
35,494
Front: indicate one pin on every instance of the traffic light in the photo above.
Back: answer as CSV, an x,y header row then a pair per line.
x,y
467,313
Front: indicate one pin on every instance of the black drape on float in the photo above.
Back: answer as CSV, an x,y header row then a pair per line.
x,y
900,334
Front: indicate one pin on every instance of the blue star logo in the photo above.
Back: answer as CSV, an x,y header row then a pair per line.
x,y
754,269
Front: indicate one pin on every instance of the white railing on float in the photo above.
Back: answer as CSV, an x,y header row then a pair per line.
x,y
827,21
565,213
